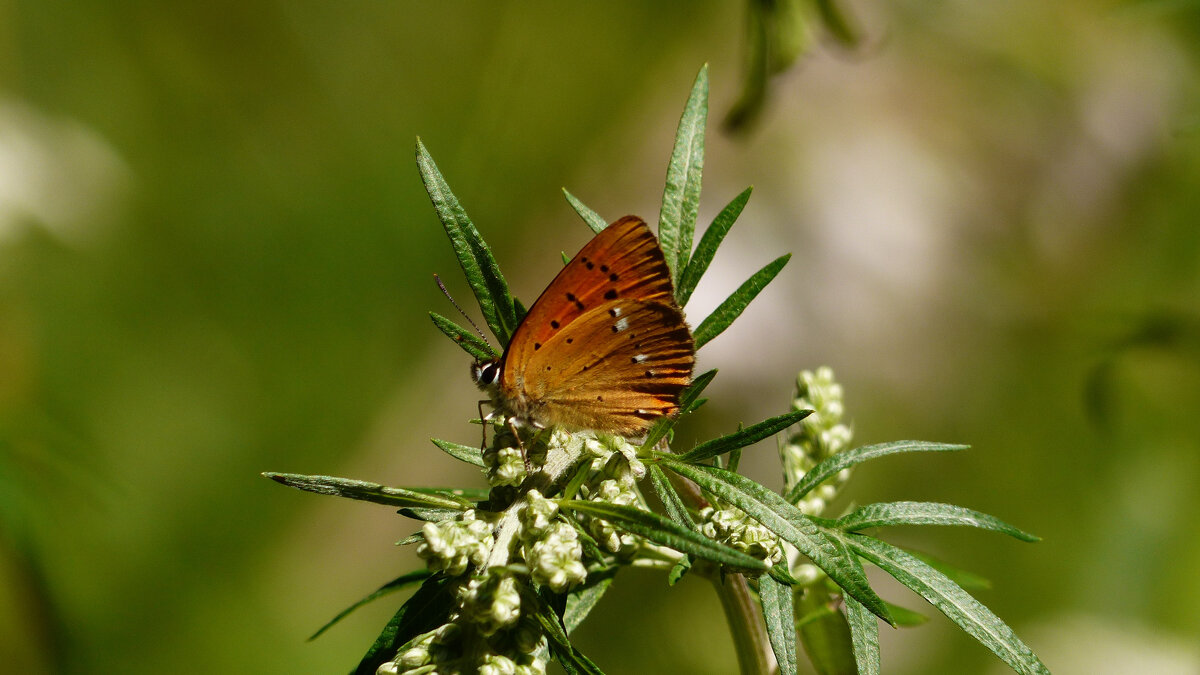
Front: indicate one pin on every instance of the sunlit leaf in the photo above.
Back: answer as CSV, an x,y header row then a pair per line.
x,y
478,264
725,314
681,197
958,605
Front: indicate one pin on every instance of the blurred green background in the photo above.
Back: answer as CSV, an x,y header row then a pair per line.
x,y
216,259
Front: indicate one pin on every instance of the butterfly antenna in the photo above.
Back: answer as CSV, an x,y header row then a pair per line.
x,y
460,309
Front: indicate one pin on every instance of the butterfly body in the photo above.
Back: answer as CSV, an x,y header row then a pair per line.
x,y
605,347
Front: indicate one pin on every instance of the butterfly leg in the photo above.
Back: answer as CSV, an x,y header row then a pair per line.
x,y
483,424
520,444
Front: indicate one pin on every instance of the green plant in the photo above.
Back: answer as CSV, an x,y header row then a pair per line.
x,y
513,570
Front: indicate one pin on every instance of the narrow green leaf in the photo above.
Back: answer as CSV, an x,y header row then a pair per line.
x,y
847,459
735,459
430,515
906,618
581,600
370,492
716,323
780,615
478,263
670,498
465,339
958,605
581,473
413,538
662,530
427,609
748,436
687,401
707,248
864,634
393,585
786,521
594,220
573,661
678,512
925,513
965,578
465,453
681,197
680,569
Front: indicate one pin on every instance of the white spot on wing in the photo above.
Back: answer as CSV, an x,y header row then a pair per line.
x,y
639,358
622,324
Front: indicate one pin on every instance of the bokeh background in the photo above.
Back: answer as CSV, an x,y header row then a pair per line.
x,y
216,259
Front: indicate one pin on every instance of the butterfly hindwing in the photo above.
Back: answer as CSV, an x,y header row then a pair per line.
x,y
604,347
625,364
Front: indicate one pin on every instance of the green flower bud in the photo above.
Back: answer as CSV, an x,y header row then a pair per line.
x,y
537,513
491,603
555,558
494,664
452,545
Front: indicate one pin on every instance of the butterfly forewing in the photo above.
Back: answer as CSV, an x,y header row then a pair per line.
x,y
582,353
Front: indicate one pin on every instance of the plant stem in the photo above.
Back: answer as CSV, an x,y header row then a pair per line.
x,y
746,624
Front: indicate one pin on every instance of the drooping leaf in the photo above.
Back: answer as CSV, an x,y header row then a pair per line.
x,y
478,264
594,220
393,585
839,23
847,459
707,248
958,605
824,633
864,634
681,197
371,492
465,453
687,401
468,341
780,615
716,323
925,513
786,521
427,609
740,439
662,530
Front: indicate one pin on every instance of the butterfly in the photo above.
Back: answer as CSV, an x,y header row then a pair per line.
x,y
605,347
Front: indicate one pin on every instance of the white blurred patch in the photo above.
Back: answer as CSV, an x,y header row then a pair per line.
x,y
1098,646
56,173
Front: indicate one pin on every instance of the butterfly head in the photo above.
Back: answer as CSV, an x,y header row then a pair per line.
x,y
486,374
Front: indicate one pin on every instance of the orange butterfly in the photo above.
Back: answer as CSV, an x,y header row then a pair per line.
x,y
605,347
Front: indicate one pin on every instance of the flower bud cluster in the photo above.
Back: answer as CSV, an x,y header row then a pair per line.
x,y
487,631
452,545
732,527
817,437
447,651
550,545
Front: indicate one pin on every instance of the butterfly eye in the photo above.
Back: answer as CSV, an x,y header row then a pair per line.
x,y
486,374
